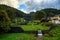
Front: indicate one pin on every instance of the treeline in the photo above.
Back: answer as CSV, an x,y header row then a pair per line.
x,y
45,13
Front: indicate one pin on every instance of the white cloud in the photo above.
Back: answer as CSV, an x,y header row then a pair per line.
x,y
38,4
13,3
32,5
44,1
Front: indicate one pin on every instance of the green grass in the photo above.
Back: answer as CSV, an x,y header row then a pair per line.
x,y
17,36
34,27
23,36
55,31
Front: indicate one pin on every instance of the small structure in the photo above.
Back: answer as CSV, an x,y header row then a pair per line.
x,y
39,35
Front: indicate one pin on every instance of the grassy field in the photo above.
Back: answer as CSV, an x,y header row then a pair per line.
x,y
34,27
17,36
23,36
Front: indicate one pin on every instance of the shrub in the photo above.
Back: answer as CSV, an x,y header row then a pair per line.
x,y
24,23
58,25
47,23
5,27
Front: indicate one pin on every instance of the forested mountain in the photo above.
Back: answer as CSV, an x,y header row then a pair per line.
x,y
7,14
11,12
51,11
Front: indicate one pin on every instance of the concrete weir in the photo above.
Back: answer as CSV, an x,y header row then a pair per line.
x,y
39,35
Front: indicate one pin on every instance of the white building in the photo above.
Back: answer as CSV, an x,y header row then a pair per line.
x,y
56,21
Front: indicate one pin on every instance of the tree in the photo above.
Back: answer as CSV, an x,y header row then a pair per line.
x,y
50,12
39,15
5,21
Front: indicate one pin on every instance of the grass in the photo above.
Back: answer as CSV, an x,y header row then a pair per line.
x,y
23,36
56,32
17,36
34,27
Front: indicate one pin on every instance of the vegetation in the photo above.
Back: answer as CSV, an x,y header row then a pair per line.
x,y
7,14
39,15
11,17
50,12
23,36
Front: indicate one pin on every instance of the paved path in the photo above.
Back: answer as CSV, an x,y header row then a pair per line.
x,y
38,38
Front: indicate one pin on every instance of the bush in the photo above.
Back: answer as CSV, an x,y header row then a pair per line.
x,y
24,23
5,26
47,23
58,25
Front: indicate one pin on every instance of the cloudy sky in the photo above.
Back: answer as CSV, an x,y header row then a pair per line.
x,y
31,5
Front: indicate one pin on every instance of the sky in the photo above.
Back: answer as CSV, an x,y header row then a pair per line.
x,y
28,6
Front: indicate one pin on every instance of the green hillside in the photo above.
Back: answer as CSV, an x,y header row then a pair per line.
x,y
12,12
29,23
7,14
51,11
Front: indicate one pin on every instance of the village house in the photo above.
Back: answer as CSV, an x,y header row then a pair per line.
x,y
55,19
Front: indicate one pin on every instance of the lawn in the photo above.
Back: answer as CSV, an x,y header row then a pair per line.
x,y
34,27
17,36
23,36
